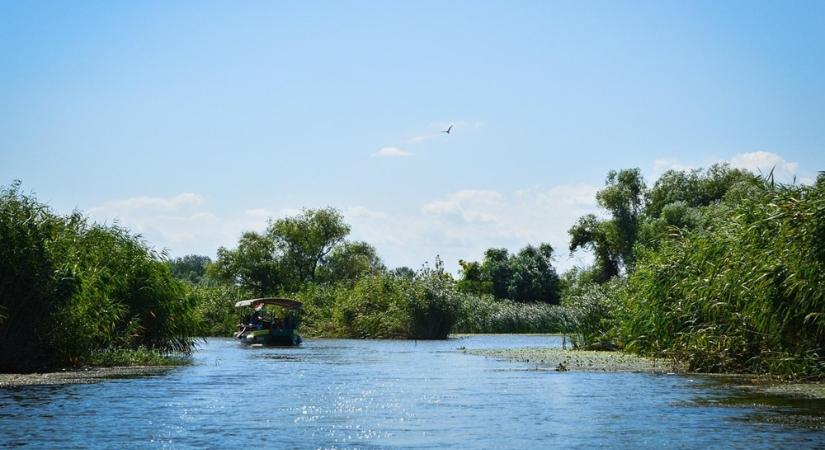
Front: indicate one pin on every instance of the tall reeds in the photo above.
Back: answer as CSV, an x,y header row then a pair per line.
x,y
745,292
70,288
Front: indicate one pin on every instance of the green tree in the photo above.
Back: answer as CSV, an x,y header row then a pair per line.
x,y
254,265
598,236
528,276
612,240
495,269
695,187
304,240
534,279
472,279
289,254
191,268
403,272
350,261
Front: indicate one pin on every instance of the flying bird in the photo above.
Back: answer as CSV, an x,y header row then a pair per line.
x,y
447,130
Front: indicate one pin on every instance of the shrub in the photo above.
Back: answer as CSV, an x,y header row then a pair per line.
x,y
69,289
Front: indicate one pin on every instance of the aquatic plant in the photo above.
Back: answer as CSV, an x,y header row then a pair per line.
x,y
70,288
745,292
433,303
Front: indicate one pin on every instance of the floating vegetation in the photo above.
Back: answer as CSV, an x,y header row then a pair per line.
x,y
581,360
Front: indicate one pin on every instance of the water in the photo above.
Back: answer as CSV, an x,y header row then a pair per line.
x,y
353,393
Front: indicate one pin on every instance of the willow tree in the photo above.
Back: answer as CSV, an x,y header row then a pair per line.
x,y
287,255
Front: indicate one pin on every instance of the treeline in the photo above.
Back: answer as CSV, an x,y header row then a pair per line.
x,y
348,291
718,268
73,292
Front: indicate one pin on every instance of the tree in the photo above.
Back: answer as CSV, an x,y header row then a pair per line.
x,y
306,239
254,265
350,261
534,279
191,268
289,254
593,234
495,268
472,279
403,272
612,240
695,187
527,276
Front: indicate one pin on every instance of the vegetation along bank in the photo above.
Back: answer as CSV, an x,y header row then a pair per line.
x,y
717,269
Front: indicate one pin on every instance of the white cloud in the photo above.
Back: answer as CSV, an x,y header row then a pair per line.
x,y
456,225
758,162
169,204
762,162
182,223
661,166
391,152
462,224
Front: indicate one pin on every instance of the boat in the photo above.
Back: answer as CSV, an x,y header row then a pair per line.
x,y
267,325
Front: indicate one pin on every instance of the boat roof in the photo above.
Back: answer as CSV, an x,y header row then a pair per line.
x,y
287,303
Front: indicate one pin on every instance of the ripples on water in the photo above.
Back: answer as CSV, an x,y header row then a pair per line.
x,y
353,393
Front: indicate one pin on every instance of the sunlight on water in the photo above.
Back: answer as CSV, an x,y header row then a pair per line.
x,y
351,393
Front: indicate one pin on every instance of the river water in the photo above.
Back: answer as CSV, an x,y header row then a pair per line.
x,y
386,394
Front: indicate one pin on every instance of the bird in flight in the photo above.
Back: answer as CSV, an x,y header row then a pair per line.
x,y
447,130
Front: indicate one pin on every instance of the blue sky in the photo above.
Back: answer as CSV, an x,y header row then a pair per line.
x,y
192,121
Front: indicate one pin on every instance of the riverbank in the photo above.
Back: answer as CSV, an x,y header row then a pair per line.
x,y
581,360
556,359
79,376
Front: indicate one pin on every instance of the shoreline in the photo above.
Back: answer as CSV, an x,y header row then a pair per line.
x,y
79,376
562,360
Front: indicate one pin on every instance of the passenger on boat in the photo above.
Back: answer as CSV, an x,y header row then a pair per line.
x,y
255,320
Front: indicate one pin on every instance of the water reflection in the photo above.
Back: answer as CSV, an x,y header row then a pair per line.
x,y
351,393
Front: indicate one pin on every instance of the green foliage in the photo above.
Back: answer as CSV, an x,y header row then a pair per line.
x,y
290,253
254,265
497,271
744,293
612,240
217,315
694,188
69,289
598,236
534,278
472,279
191,268
373,308
528,276
350,261
592,310
383,305
306,239
433,303
485,314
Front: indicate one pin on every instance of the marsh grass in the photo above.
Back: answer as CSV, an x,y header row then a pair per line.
x,y
69,288
744,293
140,356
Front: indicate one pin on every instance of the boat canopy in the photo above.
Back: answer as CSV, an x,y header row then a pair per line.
x,y
282,302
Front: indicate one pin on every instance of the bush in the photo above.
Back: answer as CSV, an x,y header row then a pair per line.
x,y
217,315
69,289
373,308
745,293
433,304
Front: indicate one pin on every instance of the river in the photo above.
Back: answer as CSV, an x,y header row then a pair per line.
x,y
336,393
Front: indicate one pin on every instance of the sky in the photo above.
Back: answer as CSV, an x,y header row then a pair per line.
x,y
191,122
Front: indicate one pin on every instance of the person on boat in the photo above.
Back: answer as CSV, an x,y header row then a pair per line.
x,y
255,320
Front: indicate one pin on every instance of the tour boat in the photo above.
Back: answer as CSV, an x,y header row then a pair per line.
x,y
266,326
